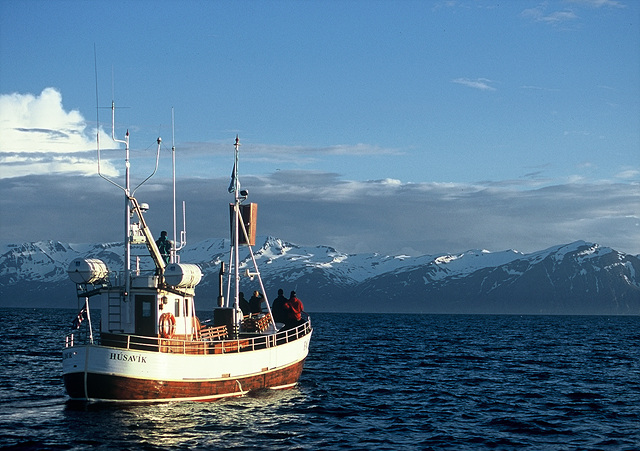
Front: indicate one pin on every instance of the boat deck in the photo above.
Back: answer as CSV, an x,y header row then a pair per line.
x,y
211,340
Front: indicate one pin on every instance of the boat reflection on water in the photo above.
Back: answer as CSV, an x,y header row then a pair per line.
x,y
249,421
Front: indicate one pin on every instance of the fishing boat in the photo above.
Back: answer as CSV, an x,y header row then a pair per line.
x,y
150,345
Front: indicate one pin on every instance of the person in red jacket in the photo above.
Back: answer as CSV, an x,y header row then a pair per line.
x,y
294,309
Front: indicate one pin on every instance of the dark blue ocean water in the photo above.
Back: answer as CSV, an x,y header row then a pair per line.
x,y
413,382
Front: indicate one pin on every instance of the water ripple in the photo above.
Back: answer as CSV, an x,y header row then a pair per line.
x,y
389,382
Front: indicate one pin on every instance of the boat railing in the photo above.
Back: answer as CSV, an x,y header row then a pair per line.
x,y
194,346
81,337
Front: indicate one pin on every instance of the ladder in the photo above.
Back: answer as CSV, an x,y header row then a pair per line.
x,y
114,312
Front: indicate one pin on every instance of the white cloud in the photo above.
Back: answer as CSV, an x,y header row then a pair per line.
x,y
31,123
539,14
539,88
628,174
479,83
33,163
38,136
600,3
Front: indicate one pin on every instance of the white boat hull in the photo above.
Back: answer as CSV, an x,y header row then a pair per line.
x,y
105,373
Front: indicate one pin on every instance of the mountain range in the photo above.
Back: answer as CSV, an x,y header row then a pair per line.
x,y
575,278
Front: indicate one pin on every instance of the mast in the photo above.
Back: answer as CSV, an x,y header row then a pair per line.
x,y
183,233
127,190
174,249
237,228
236,231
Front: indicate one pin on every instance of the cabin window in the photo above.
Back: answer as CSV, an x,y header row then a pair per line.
x,y
177,308
186,307
146,309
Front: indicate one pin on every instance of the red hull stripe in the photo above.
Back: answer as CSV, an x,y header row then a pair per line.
x,y
104,387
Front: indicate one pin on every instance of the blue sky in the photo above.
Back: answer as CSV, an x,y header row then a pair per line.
x,y
388,126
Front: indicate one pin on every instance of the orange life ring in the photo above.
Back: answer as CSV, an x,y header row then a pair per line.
x,y
167,325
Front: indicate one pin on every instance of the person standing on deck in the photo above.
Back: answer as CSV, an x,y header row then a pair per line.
x,y
244,305
277,309
255,302
164,246
294,310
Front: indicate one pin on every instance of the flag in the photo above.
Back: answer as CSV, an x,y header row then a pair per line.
x,y
232,185
82,315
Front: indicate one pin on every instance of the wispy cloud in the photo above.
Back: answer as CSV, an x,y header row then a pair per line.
x,y
257,150
540,14
600,3
576,133
483,84
359,149
628,174
19,164
539,88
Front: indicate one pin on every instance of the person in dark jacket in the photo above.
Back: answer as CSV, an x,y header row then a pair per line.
x,y
277,309
244,304
255,303
164,246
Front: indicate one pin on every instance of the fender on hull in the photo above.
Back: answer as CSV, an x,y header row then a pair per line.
x,y
106,387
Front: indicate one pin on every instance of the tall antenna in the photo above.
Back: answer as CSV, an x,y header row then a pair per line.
x,y
128,195
95,68
236,220
173,165
183,233
95,64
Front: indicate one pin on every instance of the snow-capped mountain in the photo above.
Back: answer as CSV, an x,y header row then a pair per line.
x,y
577,278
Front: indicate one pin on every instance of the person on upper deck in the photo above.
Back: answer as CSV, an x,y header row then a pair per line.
x,y
255,303
294,309
244,304
277,309
164,246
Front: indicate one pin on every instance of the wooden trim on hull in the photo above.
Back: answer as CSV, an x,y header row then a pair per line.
x,y
105,387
